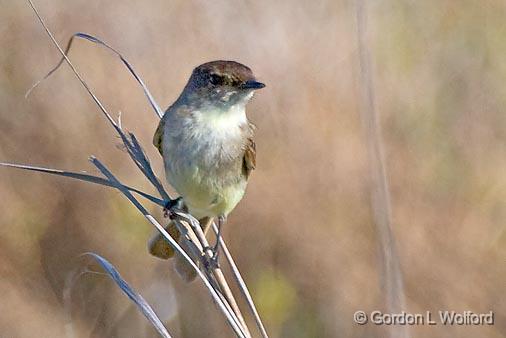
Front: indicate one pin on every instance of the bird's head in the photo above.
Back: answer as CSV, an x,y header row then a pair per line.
x,y
222,83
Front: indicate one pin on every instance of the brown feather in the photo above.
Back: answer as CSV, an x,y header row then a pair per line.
x,y
249,159
158,137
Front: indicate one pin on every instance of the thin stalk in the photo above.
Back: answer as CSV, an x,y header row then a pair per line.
x,y
380,196
242,285
230,315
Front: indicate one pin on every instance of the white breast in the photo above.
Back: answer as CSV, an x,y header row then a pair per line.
x,y
205,138
203,158
217,125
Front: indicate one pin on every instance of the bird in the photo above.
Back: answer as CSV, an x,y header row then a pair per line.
x,y
207,145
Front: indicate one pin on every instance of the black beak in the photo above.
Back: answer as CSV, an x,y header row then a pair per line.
x,y
252,85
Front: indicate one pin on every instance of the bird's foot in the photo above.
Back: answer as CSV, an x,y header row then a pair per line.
x,y
174,206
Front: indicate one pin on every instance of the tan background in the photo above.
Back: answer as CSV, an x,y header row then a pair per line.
x,y
303,236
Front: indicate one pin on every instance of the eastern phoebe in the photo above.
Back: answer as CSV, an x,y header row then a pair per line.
x,y
206,142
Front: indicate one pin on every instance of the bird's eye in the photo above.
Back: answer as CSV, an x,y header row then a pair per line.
x,y
215,79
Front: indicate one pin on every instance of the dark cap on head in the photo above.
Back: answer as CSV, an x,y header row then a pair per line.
x,y
231,74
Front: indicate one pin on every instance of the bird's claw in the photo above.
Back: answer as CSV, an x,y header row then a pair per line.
x,y
174,206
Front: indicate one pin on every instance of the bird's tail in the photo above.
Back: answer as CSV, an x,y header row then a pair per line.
x,y
159,247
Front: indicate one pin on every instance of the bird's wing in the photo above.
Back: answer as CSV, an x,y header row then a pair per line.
x,y
249,158
158,137
175,109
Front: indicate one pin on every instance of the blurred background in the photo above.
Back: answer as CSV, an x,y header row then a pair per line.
x,y
304,236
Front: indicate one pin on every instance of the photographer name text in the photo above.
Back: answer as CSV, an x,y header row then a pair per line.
x,y
428,318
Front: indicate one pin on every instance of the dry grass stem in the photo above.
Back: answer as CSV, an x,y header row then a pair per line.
x,y
213,278
391,275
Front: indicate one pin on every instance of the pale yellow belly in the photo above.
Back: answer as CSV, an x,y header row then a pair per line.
x,y
207,193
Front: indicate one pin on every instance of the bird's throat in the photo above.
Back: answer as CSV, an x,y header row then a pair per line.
x,y
226,123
